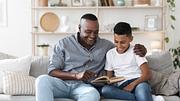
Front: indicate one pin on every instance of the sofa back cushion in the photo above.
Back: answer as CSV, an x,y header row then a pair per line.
x,y
162,68
39,65
161,62
6,56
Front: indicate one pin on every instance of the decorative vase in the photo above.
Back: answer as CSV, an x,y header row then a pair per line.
x,y
120,2
64,23
90,3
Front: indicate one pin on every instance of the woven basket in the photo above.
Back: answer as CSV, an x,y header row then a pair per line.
x,y
42,3
141,2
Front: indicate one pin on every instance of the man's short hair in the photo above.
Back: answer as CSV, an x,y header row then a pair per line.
x,y
89,16
123,28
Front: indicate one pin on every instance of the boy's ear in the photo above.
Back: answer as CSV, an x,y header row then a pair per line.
x,y
131,38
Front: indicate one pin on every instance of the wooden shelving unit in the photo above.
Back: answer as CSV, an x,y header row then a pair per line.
x,y
107,15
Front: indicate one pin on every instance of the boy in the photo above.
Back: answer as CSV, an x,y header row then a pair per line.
x,y
122,61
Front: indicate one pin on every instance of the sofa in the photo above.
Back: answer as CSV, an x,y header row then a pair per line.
x,y
160,64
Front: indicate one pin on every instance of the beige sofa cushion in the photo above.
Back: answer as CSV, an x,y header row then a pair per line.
x,y
164,80
20,65
16,83
39,65
161,62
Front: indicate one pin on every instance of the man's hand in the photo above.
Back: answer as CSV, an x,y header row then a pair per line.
x,y
85,75
140,50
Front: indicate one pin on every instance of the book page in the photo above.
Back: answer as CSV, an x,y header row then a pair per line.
x,y
102,79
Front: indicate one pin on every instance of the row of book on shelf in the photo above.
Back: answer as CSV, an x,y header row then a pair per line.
x,y
128,3
107,2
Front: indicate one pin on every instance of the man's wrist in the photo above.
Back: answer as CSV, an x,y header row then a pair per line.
x,y
75,76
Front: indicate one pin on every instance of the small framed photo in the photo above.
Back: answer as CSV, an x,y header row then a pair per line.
x,y
151,22
77,2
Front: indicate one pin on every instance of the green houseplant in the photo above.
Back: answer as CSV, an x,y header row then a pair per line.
x,y
175,52
176,56
171,7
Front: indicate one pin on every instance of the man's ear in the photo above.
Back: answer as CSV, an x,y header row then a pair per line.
x,y
79,27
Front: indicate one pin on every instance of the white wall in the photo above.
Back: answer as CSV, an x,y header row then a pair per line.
x,y
15,39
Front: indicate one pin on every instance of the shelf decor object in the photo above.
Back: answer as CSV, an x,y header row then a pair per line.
x,y
56,21
49,22
141,2
43,49
151,23
120,2
43,3
77,2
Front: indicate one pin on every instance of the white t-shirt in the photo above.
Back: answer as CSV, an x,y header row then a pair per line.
x,y
126,64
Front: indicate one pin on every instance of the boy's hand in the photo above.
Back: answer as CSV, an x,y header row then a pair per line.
x,y
129,87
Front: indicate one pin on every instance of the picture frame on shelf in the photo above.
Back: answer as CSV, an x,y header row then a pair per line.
x,y
77,2
151,23
3,13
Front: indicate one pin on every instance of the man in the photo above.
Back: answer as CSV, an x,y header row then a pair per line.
x,y
75,60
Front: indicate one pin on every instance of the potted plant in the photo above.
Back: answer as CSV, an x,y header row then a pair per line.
x,y
171,7
176,56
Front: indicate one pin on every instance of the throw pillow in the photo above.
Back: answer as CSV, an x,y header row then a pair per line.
x,y
16,83
161,62
155,80
20,65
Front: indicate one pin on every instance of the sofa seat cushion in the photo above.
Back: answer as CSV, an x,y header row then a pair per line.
x,y
4,97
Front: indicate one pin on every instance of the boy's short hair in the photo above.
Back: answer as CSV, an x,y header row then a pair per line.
x,y
123,28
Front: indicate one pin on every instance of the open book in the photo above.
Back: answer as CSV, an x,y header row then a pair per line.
x,y
107,80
